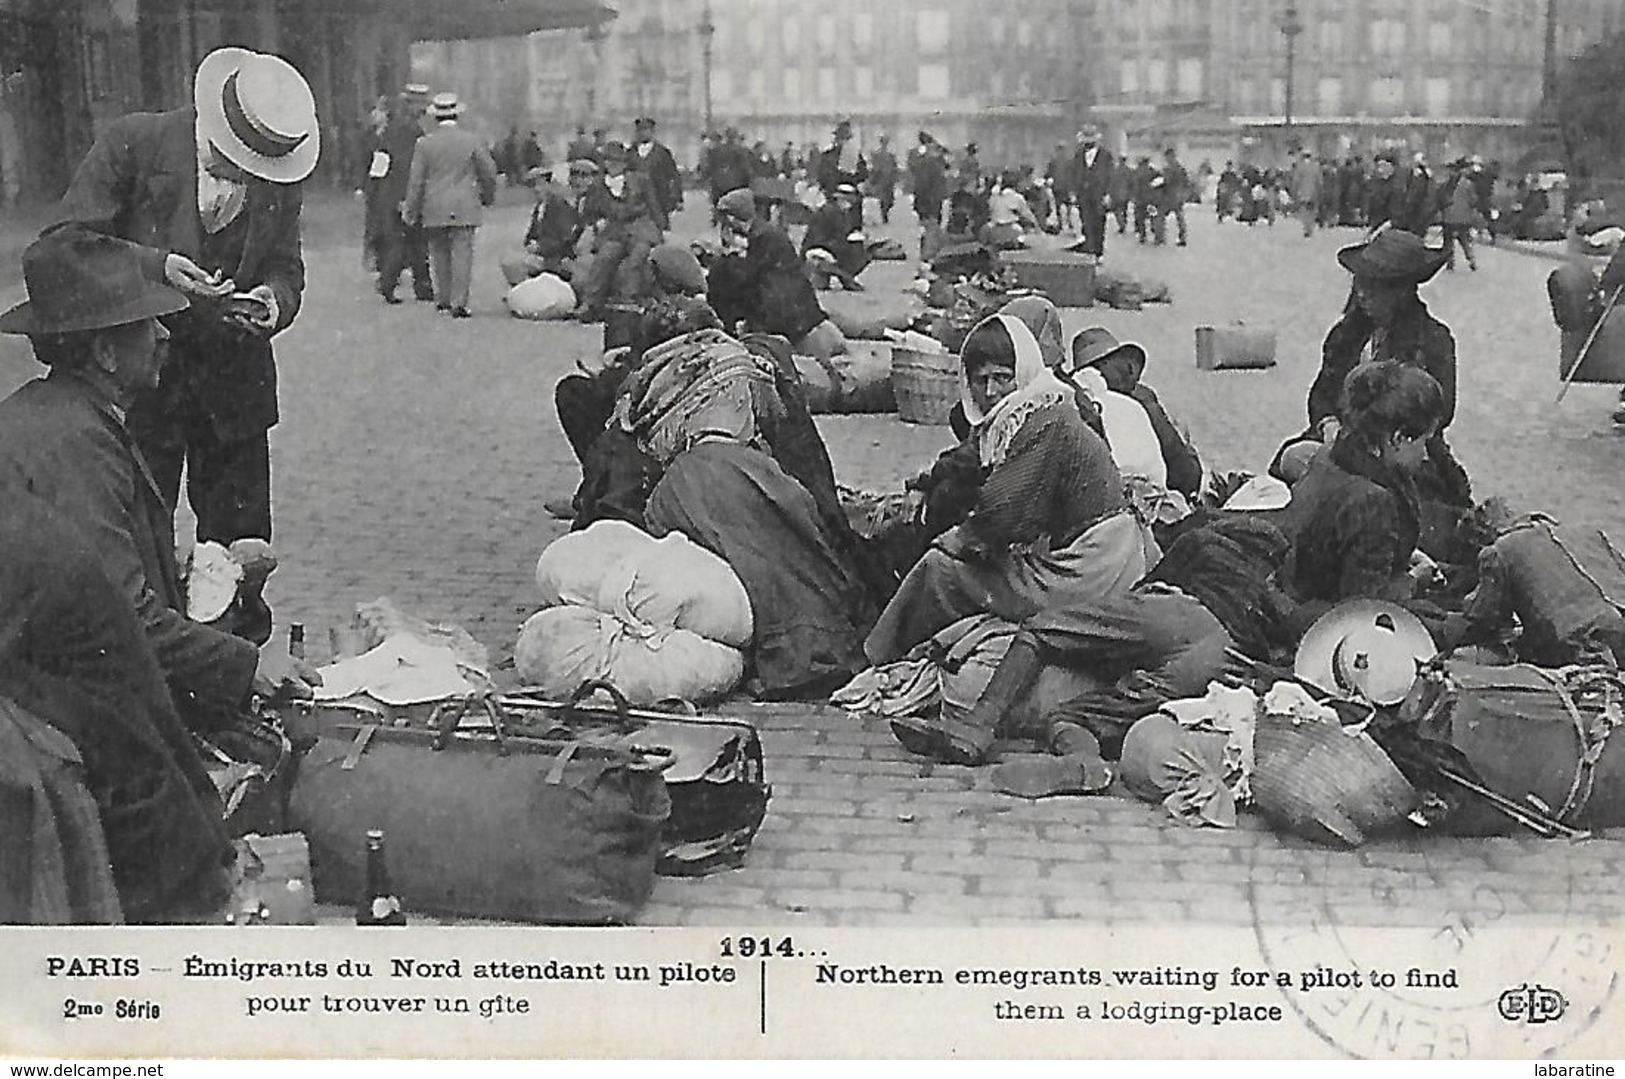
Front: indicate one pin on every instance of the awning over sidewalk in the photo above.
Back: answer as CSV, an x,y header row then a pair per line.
x,y
458,20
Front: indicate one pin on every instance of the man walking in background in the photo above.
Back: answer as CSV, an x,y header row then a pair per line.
x,y
1306,191
400,245
883,178
654,159
452,178
1176,192
1092,173
928,176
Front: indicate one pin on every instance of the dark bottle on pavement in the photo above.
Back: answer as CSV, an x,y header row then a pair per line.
x,y
377,904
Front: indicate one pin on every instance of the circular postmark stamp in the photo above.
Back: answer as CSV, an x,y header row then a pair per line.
x,y
1411,953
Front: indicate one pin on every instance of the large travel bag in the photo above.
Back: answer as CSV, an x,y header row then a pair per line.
x,y
481,820
1542,738
715,777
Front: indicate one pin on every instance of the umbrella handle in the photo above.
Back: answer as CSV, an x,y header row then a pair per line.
x,y
1591,338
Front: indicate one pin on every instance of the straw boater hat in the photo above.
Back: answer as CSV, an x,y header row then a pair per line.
x,y
445,107
1367,648
80,281
257,110
1393,256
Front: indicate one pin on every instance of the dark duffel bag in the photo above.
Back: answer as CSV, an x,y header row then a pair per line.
x,y
482,821
1542,738
716,778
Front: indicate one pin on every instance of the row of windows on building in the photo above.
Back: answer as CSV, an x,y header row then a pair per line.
x,y
1386,96
1441,38
932,32
932,82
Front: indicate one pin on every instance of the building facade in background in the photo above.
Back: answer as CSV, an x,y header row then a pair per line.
x,y
1446,76
1013,76
67,67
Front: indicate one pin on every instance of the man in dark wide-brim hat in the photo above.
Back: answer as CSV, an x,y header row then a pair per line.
x,y
93,632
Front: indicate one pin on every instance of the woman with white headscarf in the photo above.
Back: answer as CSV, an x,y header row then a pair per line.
x,y
1050,520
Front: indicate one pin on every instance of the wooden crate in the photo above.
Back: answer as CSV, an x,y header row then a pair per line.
x,y
1068,279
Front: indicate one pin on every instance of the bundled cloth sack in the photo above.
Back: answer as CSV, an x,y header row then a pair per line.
x,y
541,298
559,648
671,582
655,618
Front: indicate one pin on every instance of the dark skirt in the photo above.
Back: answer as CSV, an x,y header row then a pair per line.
x,y
811,609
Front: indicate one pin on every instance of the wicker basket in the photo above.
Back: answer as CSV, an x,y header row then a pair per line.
x,y
926,385
1315,781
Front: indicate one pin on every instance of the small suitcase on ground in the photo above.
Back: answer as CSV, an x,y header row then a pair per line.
x,y
1232,348
715,777
481,820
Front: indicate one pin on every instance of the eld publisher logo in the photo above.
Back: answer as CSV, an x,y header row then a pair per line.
x,y
1531,1004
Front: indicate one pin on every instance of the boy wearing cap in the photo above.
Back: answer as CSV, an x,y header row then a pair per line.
x,y
211,192
453,177
630,221
555,226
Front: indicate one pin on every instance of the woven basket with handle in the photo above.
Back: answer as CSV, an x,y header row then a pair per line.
x,y
926,385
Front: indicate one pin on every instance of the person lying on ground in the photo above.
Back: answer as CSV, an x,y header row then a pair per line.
x,y
1050,519
92,317
760,285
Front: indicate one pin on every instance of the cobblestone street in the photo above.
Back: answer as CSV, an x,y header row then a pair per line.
x,y
415,453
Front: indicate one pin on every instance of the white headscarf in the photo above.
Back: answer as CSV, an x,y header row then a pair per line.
x,y
1036,388
1128,429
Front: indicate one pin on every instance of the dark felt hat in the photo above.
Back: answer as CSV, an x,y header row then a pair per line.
x,y
79,280
738,203
676,267
1393,256
1096,345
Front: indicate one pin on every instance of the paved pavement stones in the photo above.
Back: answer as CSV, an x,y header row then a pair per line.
x,y
415,453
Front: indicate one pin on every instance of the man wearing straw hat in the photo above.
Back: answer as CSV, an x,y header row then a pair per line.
x,y
453,177
211,192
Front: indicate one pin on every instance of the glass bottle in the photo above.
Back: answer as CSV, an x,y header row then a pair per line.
x,y
377,904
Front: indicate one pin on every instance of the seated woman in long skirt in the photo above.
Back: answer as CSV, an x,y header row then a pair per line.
x,y
1355,517
1050,524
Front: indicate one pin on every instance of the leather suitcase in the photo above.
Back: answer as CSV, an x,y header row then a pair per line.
x,y
1230,348
481,820
715,775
